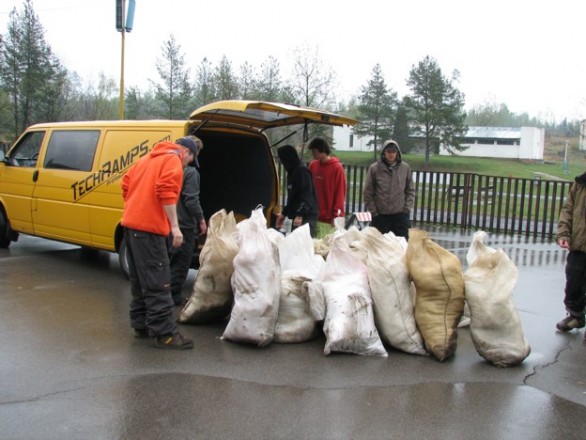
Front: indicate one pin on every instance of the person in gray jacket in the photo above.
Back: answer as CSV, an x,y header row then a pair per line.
x,y
191,222
571,235
389,192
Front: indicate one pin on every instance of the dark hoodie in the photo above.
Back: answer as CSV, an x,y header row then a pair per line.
x,y
301,199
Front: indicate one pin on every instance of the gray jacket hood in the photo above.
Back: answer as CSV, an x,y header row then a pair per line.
x,y
385,145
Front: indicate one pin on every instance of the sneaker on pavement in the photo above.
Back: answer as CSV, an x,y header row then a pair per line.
x,y
173,342
571,322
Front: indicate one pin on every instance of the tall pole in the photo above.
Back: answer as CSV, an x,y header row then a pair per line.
x,y
121,100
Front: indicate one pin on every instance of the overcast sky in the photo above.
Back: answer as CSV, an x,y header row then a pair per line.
x,y
529,55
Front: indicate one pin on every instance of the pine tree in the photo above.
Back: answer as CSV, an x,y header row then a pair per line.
x,y
174,90
376,110
436,106
30,74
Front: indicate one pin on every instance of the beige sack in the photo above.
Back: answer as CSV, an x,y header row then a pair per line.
x,y
211,298
388,277
495,325
439,299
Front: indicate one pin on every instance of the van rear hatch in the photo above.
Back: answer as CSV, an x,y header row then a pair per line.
x,y
263,115
237,169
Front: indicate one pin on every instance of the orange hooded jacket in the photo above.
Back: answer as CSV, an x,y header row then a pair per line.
x,y
155,180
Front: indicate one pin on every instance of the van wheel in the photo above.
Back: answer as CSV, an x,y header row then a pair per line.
x,y
4,240
123,258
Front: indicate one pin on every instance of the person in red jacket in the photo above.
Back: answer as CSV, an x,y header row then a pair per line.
x,y
150,190
329,180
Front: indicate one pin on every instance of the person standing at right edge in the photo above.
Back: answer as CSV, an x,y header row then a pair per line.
x,y
329,181
571,235
389,193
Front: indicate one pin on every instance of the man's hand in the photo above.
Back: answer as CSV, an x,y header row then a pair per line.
x,y
564,243
177,236
203,228
297,221
279,221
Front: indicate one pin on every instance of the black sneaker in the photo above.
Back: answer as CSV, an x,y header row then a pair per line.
x,y
141,333
173,342
571,322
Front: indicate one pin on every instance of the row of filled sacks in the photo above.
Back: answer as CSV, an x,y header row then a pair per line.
x,y
278,289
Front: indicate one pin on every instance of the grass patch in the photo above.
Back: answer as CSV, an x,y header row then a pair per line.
x,y
479,165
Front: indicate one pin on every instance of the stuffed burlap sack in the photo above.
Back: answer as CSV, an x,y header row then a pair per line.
x,y
495,325
389,282
439,298
212,296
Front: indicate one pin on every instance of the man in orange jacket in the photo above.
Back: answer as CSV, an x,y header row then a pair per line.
x,y
150,190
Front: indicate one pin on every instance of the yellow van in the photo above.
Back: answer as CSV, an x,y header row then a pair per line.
x,y
62,180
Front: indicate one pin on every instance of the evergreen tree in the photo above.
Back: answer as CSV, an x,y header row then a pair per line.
x,y
247,82
174,91
376,110
140,105
437,107
205,90
269,83
401,130
30,74
225,82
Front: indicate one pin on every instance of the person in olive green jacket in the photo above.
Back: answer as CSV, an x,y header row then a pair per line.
x,y
571,235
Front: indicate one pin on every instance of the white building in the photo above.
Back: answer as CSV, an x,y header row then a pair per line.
x,y
346,140
502,142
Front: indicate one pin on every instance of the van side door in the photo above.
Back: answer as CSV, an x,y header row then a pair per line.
x,y
58,209
18,180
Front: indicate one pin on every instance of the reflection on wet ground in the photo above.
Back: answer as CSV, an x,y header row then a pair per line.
x,y
523,251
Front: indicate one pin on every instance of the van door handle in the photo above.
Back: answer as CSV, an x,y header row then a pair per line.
x,y
35,175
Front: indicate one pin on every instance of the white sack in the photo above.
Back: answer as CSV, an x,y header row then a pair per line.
x,y
299,265
495,325
390,287
256,284
297,252
211,298
349,320
295,322
315,295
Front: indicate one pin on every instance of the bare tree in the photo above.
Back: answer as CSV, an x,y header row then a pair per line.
x,y
313,81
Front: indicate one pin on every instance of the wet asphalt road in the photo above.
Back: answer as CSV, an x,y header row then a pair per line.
x,y
71,369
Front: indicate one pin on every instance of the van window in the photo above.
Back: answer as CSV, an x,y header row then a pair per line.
x,y
26,152
72,149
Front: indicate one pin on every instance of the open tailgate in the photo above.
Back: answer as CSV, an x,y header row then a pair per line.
x,y
263,115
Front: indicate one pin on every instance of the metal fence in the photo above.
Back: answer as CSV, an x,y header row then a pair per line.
x,y
505,205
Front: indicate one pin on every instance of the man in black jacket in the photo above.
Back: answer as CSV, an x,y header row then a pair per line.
x,y
191,221
301,204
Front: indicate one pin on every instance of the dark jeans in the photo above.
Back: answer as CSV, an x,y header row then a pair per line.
x,y
398,224
180,261
148,262
575,291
